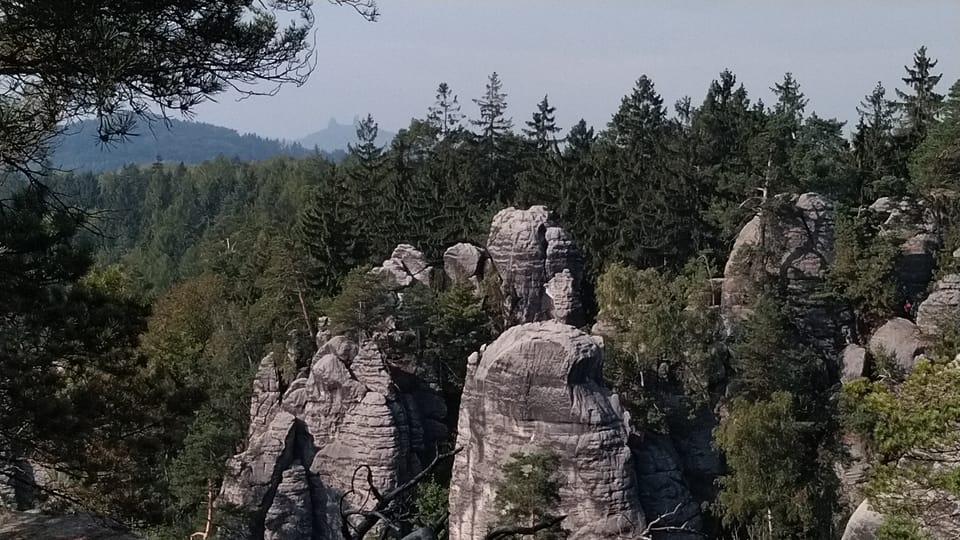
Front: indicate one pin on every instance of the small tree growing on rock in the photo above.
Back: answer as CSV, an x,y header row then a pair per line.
x,y
529,493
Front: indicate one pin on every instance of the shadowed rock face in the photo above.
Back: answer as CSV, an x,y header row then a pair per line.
x,y
915,226
528,251
539,386
31,526
793,244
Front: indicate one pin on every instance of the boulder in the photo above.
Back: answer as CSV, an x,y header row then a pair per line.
x,y
463,262
853,362
900,339
941,307
405,266
539,386
414,262
527,251
863,524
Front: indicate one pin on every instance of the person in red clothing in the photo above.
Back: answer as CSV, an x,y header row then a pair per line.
x,y
908,307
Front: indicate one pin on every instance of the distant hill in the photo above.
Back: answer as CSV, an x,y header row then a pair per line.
x,y
337,136
187,142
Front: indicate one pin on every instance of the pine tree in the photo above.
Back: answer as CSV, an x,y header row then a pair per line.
x,y
444,115
921,105
542,127
492,122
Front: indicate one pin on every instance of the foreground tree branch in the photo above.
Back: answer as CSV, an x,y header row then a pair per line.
x,y
506,532
384,501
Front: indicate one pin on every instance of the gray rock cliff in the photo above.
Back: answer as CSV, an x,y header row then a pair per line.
x,y
539,385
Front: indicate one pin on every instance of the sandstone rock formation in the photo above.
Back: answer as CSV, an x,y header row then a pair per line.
x,y
464,262
539,385
528,250
405,266
663,487
941,307
792,242
863,524
900,339
915,226
306,441
853,362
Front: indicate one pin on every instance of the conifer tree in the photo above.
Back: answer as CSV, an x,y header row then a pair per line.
x,y
874,145
542,127
936,162
919,105
444,115
638,123
492,122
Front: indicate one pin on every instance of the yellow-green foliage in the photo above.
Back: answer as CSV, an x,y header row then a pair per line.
x,y
661,325
362,306
907,427
774,480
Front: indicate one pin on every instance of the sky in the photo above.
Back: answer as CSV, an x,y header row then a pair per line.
x,y
587,54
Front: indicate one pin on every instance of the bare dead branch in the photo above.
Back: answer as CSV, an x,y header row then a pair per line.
x,y
377,513
504,532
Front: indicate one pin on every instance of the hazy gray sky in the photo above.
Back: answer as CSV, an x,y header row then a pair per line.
x,y
587,54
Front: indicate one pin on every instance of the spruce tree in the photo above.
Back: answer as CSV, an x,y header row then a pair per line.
x,y
542,127
444,115
919,105
875,151
638,123
936,162
492,121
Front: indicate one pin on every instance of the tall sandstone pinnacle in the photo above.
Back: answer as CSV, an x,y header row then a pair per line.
x,y
540,267
539,386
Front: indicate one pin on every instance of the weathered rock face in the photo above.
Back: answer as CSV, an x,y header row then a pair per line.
x,y
464,262
539,386
915,226
853,362
941,307
863,524
306,441
405,266
900,339
794,244
528,251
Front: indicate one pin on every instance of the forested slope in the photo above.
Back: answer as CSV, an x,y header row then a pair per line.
x,y
234,259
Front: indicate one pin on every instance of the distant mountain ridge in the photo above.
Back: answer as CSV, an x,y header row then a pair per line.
x,y
180,141
337,136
